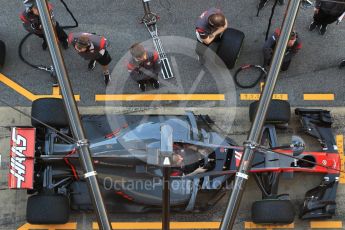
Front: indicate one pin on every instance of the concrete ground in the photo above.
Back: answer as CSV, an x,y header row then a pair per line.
x,y
313,71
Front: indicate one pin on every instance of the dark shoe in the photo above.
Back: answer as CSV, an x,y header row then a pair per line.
x,y
342,64
44,45
155,84
107,78
312,26
142,86
55,82
65,44
323,30
92,65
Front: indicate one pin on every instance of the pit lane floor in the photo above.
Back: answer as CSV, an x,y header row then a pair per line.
x,y
313,77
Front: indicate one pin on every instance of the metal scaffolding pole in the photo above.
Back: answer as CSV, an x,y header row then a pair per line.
x,y
166,152
73,114
256,129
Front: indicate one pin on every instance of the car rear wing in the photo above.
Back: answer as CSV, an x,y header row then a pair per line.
x,y
318,123
22,153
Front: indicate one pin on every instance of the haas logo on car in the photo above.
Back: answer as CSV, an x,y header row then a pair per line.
x,y
21,158
17,168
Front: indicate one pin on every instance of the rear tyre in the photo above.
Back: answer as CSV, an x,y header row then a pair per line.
x,y
279,112
47,209
50,111
230,46
273,211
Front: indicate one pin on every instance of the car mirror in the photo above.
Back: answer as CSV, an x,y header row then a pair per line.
x,y
297,145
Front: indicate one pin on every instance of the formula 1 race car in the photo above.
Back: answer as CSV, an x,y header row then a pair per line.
x,y
125,152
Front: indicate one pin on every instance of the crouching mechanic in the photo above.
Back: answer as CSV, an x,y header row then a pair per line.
x,y
293,46
32,23
209,27
144,66
92,47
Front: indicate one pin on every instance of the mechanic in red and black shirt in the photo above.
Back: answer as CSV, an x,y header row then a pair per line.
x,y
92,47
294,45
210,25
32,23
208,28
144,66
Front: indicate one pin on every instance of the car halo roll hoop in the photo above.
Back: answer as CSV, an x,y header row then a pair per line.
x,y
150,20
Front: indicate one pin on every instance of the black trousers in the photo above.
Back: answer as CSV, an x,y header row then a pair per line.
x,y
285,65
141,78
323,19
61,34
147,81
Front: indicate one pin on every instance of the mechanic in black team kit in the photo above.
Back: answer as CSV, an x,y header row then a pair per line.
x,y
92,47
209,28
325,13
32,23
144,66
294,45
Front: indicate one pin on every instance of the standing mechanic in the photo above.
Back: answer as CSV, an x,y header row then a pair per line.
x,y
32,23
293,46
144,66
326,12
92,47
208,28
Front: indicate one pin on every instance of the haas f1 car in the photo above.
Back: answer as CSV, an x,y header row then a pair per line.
x,y
125,152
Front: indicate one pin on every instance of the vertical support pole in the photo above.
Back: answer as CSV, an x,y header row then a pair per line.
x,y
166,159
256,129
146,5
73,115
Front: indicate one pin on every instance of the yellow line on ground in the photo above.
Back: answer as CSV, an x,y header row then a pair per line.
x,y
67,226
262,84
326,224
340,145
26,93
56,90
161,97
158,225
76,97
18,88
256,96
318,97
251,225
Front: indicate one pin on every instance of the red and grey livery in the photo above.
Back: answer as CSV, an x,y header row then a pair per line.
x,y
22,154
203,164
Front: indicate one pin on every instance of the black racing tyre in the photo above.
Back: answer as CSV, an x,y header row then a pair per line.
x,y
47,209
2,53
230,46
50,111
273,212
279,112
